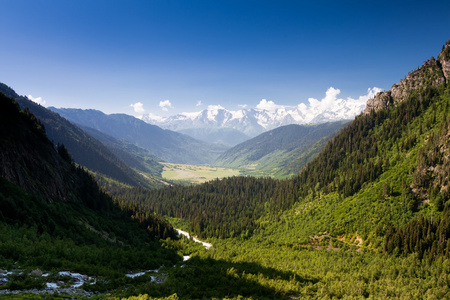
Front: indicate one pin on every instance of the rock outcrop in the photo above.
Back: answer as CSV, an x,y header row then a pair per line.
x,y
444,60
432,74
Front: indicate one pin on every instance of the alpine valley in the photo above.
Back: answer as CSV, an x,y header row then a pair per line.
x,y
340,208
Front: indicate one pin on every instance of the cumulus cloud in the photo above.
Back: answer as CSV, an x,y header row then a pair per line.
x,y
199,103
333,107
268,105
165,105
138,107
38,100
215,107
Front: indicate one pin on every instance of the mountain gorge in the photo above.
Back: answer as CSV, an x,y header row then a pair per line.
x,y
388,166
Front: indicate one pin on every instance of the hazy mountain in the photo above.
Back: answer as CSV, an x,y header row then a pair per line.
x,y
222,136
168,145
281,151
84,149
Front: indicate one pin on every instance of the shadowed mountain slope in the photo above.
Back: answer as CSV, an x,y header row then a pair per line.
x,y
168,145
84,149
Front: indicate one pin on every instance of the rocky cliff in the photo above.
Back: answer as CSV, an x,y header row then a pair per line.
x,y
431,74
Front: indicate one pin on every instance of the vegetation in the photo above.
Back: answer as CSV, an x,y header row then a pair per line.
x,y
83,148
280,152
182,174
54,216
367,218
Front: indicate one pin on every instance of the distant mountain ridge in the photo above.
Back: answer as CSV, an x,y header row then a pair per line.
x,y
170,146
282,151
255,121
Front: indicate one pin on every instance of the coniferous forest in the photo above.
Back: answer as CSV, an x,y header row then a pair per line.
x,y
367,218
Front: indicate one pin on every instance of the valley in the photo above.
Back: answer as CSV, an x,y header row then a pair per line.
x,y
353,209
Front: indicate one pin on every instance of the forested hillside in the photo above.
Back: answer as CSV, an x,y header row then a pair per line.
x,y
53,214
367,218
385,169
84,149
280,152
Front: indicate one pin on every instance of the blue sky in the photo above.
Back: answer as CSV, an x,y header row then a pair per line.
x,y
110,54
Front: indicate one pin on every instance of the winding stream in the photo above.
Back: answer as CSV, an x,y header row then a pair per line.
x,y
186,234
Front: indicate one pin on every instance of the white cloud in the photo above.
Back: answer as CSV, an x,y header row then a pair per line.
x,y
334,107
268,105
138,107
165,105
38,100
331,107
199,103
215,107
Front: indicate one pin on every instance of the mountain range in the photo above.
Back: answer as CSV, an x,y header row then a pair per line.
x,y
166,144
266,116
120,147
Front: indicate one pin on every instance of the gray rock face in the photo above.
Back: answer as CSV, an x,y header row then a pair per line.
x,y
444,59
381,101
432,74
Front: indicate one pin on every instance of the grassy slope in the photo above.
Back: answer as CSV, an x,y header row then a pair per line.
x,y
281,152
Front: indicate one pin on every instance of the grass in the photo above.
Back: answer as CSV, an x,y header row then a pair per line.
x,y
195,174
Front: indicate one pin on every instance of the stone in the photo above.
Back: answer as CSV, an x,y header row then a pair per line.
x,y
36,272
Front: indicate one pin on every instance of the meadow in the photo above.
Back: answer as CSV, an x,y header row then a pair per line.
x,y
181,173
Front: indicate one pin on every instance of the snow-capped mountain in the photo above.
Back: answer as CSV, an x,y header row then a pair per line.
x,y
267,115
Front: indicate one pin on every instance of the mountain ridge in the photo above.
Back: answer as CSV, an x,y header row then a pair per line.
x,y
168,145
273,151
431,74
83,148
267,115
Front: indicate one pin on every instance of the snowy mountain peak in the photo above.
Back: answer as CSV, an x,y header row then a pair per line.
x,y
267,114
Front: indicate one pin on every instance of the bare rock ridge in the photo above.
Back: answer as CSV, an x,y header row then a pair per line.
x,y
432,74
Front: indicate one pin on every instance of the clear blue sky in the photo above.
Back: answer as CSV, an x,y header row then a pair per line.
x,y
110,54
